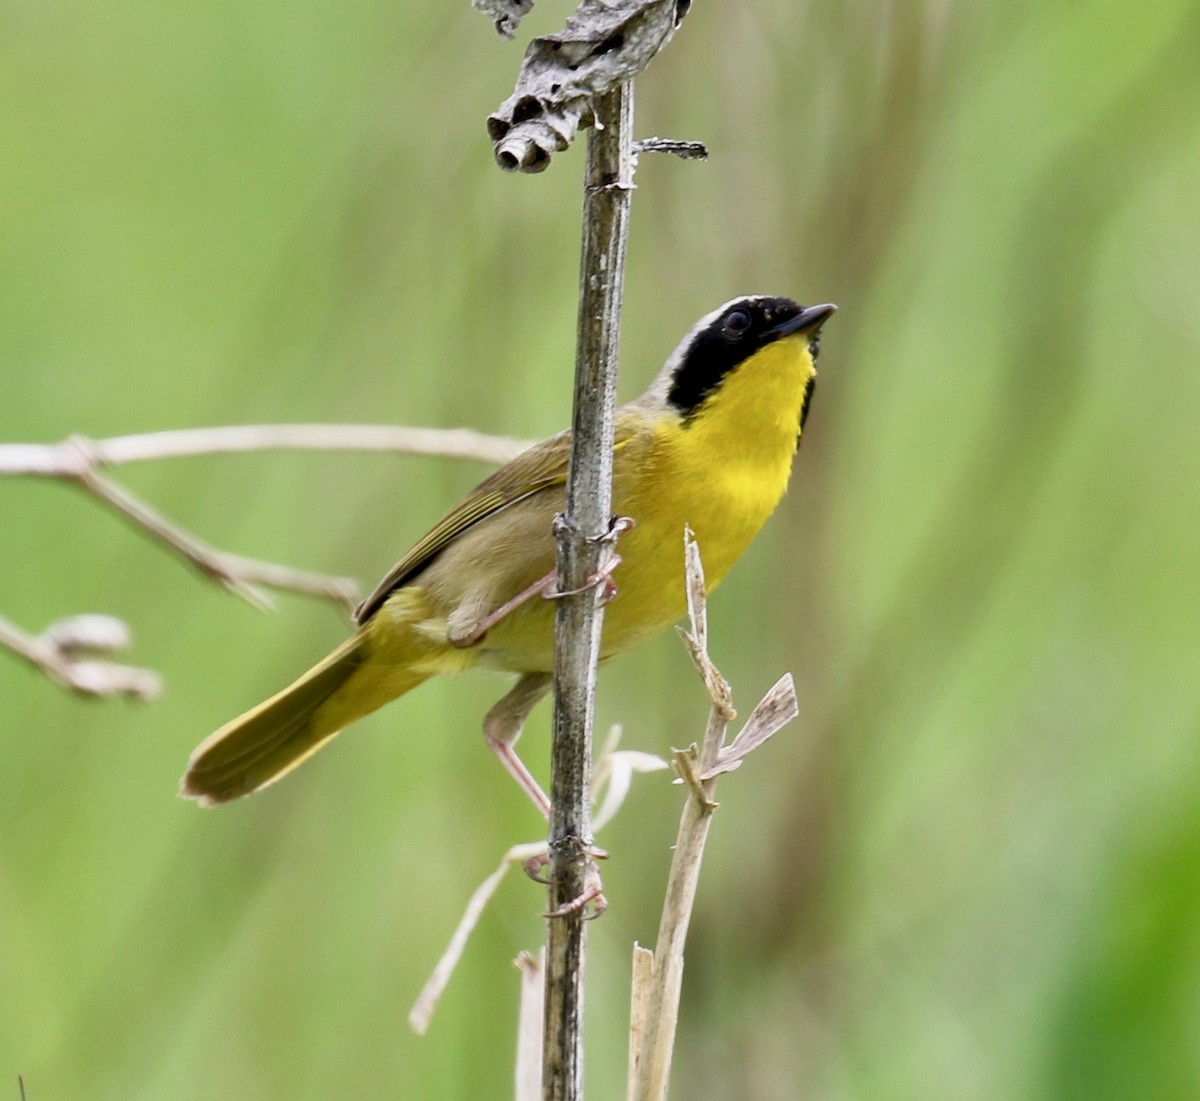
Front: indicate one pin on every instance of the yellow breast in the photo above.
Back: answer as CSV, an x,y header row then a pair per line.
x,y
722,474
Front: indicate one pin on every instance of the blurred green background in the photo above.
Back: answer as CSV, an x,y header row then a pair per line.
x,y
971,870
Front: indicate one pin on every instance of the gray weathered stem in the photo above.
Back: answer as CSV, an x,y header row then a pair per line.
x,y
582,552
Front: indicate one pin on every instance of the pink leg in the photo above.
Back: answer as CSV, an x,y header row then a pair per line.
x,y
544,587
480,628
502,728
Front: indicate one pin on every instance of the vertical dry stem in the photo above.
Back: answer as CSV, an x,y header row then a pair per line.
x,y
653,1061
528,1078
582,552
657,984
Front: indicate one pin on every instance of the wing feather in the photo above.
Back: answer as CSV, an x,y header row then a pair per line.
x,y
542,466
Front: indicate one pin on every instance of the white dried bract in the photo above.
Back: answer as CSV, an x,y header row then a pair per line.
x,y
94,634
105,678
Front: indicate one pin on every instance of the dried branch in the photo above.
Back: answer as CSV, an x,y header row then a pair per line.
x,y
68,652
565,76
244,577
78,455
422,1011
657,988
79,461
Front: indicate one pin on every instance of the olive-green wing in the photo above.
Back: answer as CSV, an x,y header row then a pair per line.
x,y
542,466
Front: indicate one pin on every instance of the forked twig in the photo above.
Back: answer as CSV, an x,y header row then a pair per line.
x,y
658,981
69,652
80,461
244,577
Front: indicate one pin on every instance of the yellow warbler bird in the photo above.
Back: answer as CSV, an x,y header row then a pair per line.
x,y
708,446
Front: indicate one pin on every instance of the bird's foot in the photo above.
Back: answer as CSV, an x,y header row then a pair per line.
x,y
593,889
602,578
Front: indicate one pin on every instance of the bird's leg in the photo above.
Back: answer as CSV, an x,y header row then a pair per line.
x,y
475,632
545,587
502,727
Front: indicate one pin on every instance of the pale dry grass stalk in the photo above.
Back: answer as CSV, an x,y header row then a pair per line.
x,y
657,981
531,1011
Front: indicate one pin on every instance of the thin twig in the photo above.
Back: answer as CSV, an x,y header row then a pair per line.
x,y
685,150
241,576
73,456
657,997
583,552
422,1011
79,460
68,653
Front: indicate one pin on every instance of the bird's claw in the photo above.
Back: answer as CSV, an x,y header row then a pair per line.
x,y
602,578
593,890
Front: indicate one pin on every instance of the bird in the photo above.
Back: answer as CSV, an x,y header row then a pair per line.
x,y
709,446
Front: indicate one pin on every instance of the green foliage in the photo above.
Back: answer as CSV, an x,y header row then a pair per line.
x,y
970,871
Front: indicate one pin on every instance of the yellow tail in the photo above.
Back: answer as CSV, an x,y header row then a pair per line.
x,y
269,741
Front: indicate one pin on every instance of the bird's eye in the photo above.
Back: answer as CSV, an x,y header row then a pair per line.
x,y
737,322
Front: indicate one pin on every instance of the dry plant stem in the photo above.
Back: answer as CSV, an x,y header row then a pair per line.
x,y
613,774
29,647
653,1060
529,1026
639,1005
582,553
77,454
565,77
74,653
34,650
422,1011
652,1042
241,576
657,987
80,461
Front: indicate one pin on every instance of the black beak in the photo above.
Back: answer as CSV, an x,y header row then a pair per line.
x,y
808,320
